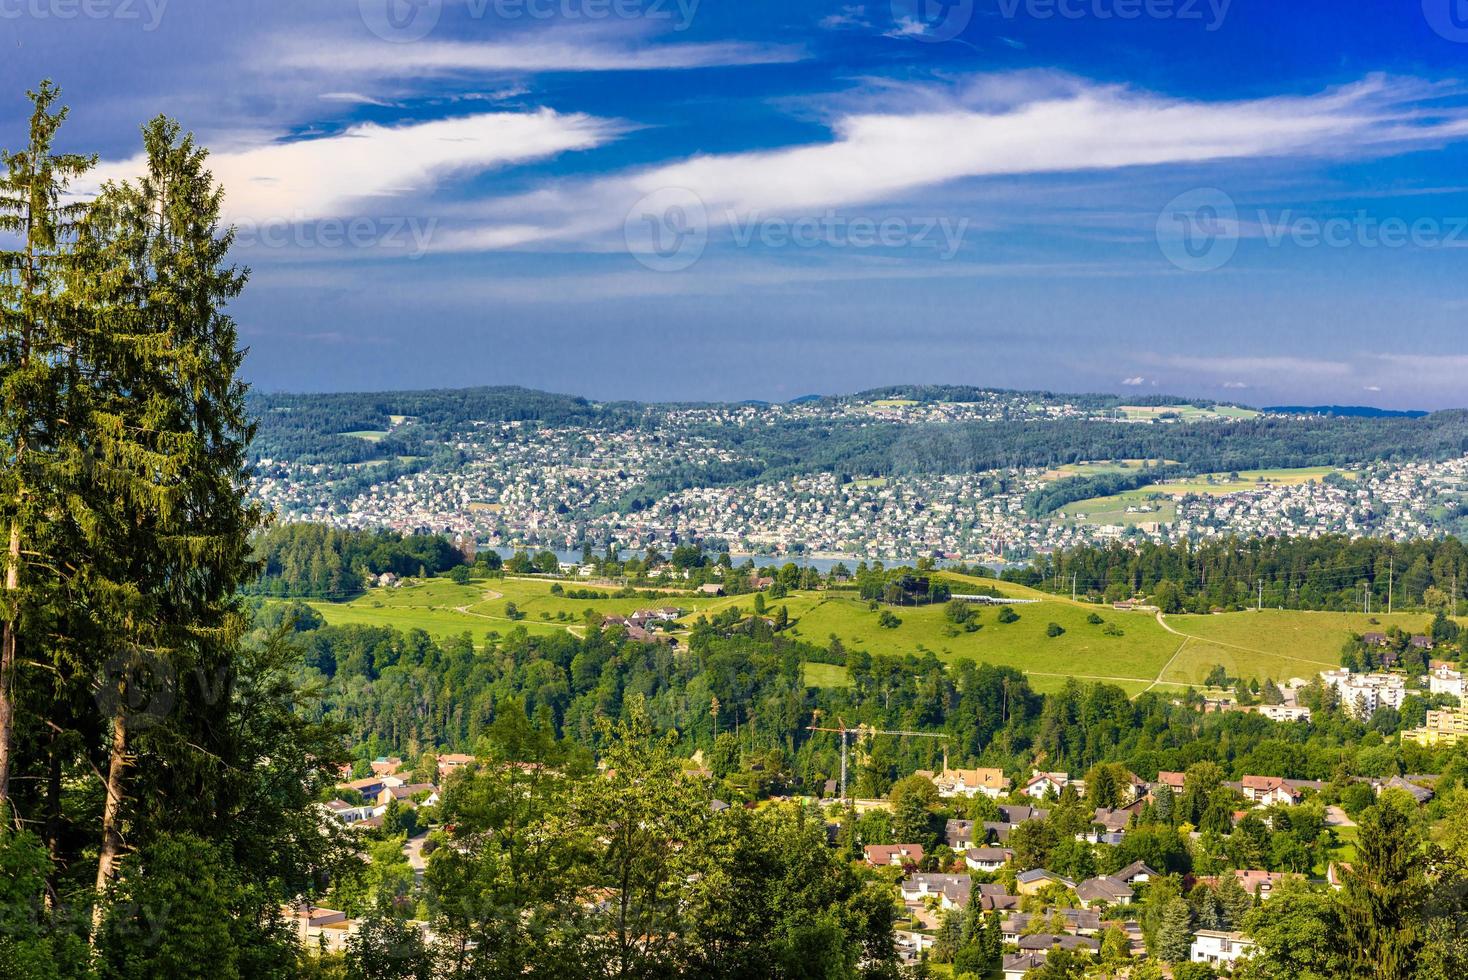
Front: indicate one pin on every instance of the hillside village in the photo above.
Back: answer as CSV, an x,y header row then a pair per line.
x,y
518,484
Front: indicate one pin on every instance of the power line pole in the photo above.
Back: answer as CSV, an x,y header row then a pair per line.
x,y
1260,607
1074,578
1391,586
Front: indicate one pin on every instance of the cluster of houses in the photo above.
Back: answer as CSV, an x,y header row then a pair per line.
x,y
982,848
552,486
370,796
644,626
1362,694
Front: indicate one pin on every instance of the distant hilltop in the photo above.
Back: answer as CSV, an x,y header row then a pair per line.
x,y
1346,411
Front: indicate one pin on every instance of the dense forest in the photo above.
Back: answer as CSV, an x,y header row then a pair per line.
x,y
318,562
407,693
1329,573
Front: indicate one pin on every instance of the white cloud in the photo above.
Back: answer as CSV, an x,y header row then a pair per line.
x,y
370,169
1134,382
921,138
851,16
357,98
542,52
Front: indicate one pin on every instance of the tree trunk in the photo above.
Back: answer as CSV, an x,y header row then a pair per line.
x,y
111,818
53,816
7,662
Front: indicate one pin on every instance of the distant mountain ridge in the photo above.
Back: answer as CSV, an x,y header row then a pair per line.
x,y
1347,411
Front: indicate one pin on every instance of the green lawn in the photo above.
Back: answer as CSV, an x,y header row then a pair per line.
x,y
368,435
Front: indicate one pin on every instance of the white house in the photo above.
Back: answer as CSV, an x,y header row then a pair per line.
x,y
1045,784
989,859
1220,948
1444,679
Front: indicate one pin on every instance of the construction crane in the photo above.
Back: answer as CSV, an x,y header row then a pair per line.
x,y
864,731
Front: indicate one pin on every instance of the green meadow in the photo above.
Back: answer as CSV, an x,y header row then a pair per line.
x,y
1170,654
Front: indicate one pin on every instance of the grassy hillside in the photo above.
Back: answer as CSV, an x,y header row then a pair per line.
x,y
441,608
1171,654
1159,497
1273,643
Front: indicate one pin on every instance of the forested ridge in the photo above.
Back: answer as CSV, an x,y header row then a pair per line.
x,y
1333,572
313,429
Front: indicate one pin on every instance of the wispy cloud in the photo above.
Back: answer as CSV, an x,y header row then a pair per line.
x,y
375,169
542,52
1017,124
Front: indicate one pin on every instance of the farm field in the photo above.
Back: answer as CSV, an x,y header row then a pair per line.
x,y
1187,413
1132,507
1104,468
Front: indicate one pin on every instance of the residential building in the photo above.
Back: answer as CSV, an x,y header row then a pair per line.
x,y
1362,694
1219,948
989,859
450,762
1031,882
1445,679
893,855
1043,785
1270,791
1284,712
1018,964
952,891
1104,890
954,783
1446,727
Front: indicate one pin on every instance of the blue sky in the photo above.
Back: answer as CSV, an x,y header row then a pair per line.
x,y
684,199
